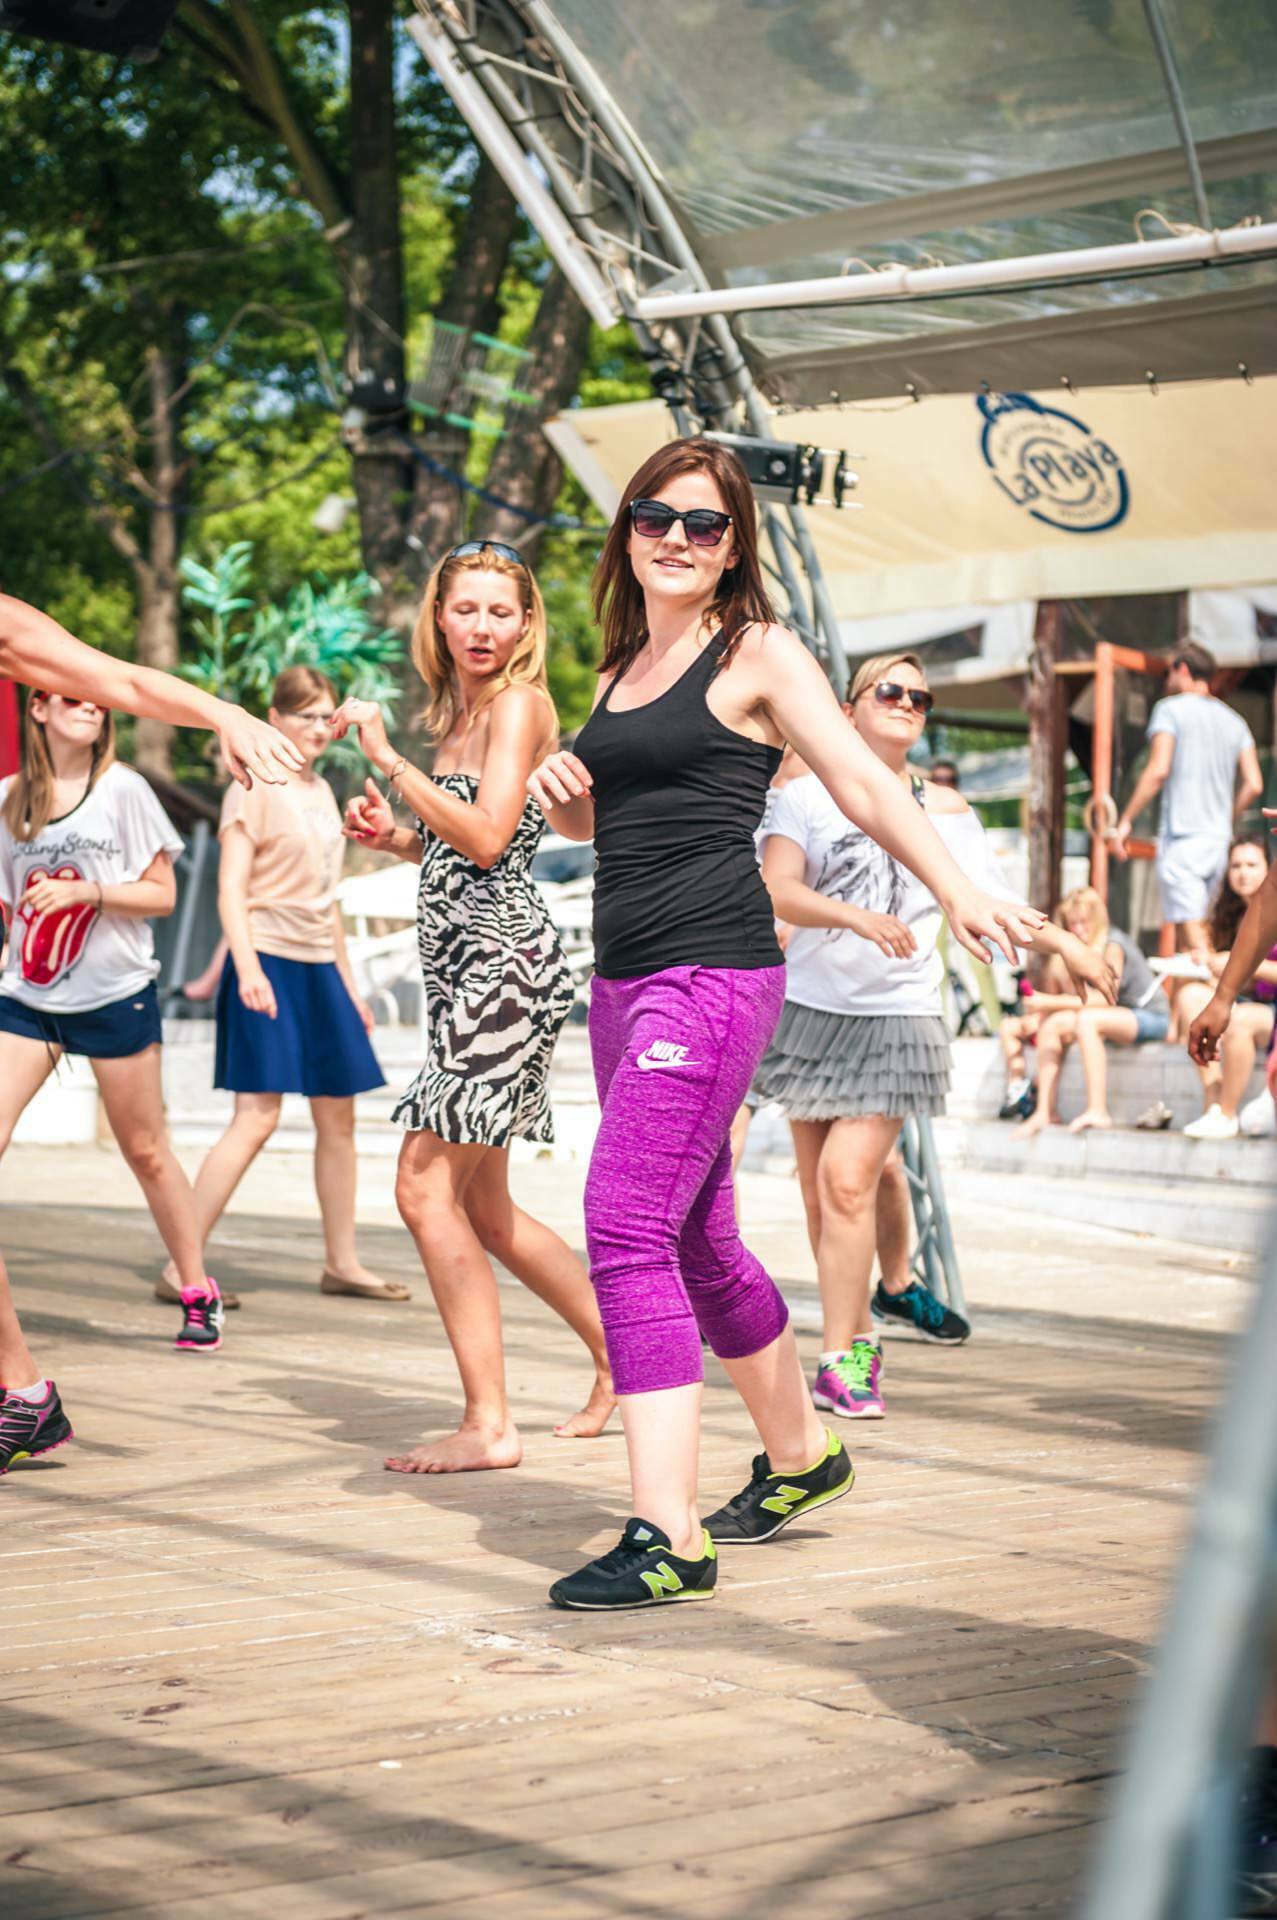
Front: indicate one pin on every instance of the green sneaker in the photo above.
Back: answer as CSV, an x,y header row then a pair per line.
x,y
640,1571
772,1500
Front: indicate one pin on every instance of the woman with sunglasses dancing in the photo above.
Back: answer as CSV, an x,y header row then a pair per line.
x,y
861,1042
497,984
700,690
36,650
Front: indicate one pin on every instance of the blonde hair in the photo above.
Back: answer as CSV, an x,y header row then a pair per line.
x,y
296,687
430,656
877,667
1087,904
28,805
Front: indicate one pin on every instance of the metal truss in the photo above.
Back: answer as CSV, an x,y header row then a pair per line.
x,y
564,146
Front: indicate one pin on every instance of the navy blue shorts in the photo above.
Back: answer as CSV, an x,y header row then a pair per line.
x,y
315,1045
113,1032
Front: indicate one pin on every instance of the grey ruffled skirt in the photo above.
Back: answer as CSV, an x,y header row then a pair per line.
x,y
834,1066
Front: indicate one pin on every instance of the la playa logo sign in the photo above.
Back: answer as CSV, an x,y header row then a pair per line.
x,y
1051,464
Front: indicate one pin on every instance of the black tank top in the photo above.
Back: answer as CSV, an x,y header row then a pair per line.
x,y
678,797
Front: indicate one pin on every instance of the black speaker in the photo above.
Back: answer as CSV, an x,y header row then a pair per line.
x,y
131,27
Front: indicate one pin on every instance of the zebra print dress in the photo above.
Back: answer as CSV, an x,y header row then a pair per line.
x,y
497,990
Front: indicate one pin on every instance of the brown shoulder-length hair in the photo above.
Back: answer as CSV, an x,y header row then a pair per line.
x,y
741,600
430,655
1228,906
28,805
296,687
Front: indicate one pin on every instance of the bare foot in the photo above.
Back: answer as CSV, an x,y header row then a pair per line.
x,y
1036,1123
593,1416
1092,1117
469,1450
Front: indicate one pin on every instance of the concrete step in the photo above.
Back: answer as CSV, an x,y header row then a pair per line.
x,y
1137,1077
1121,1153
1233,1221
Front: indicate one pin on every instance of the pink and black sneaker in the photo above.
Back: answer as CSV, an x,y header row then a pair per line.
x,y
848,1383
202,1316
31,1427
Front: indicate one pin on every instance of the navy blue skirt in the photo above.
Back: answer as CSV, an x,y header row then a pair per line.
x,y
315,1045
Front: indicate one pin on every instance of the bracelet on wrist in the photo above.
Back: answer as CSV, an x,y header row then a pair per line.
x,y
395,772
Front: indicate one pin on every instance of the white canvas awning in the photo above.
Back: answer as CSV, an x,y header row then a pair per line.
x,y
1003,499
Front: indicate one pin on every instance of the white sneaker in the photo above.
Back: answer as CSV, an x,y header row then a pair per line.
x,y
1214,1124
1259,1116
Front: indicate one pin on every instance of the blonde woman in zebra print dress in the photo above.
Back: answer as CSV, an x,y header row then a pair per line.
x,y
496,982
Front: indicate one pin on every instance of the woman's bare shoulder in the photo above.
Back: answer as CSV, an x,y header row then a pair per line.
x,y
941,800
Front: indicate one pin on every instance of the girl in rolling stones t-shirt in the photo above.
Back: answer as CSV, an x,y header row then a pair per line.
x,y
86,860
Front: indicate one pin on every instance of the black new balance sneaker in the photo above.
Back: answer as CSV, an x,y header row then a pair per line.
x,y
918,1309
201,1328
29,1427
772,1500
640,1571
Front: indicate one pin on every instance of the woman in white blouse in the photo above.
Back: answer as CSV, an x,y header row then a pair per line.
x,y
861,1041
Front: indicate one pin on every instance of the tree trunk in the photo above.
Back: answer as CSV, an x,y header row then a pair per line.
x,y
471,302
372,259
159,582
1046,758
525,469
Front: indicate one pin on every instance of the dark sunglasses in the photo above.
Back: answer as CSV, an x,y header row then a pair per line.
x,y
468,547
889,693
703,526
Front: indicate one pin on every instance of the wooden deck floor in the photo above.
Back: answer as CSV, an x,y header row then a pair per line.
x,y
247,1675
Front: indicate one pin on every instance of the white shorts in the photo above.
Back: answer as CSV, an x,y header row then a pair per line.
x,y
1189,871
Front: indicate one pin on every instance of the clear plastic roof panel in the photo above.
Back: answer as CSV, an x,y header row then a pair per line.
x,y
761,111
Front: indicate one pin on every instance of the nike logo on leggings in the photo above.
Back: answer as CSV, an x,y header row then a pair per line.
x,y
663,1053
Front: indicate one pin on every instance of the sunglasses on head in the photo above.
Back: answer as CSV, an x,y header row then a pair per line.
x,y
702,525
890,693
468,547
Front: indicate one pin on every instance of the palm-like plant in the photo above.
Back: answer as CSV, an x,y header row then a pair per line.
x,y
320,623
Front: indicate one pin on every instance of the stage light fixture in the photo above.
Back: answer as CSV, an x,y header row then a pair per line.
x,y
790,471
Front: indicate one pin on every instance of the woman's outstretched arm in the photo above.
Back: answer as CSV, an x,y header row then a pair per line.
x,y
37,651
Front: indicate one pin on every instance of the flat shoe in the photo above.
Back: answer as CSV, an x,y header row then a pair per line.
x,y
364,1289
171,1295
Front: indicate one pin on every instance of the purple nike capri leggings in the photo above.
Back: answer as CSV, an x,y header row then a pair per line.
x,y
674,1053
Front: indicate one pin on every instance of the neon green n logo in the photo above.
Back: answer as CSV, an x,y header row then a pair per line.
x,y
785,1499
661,1579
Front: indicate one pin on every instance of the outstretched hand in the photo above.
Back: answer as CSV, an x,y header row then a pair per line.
x,y
368,721
977,918
1089,969
254,750
369,817
1207,1031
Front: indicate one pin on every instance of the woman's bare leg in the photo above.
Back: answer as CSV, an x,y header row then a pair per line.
x,y
134,1100
1054,1035
228,1160
430,1191
336,1178
852,1156
25,1065
1250,1024
1191,997
547,1266
1095,1026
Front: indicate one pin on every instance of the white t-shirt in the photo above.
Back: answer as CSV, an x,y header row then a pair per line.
x,y
836,970
1209,741
76,959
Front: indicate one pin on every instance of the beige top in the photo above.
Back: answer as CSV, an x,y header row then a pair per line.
x,y
295,830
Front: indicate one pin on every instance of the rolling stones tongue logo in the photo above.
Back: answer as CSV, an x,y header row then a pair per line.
x,y
53,941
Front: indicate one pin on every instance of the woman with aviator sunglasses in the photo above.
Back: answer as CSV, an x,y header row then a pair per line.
x,y
861,1042
699,690
497,985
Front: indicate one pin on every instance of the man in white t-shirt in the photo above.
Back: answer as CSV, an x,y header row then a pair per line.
x,y
1197,747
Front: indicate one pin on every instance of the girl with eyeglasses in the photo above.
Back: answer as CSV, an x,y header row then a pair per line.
x,y
37,651
497,984
862,1042
699,690
289,1015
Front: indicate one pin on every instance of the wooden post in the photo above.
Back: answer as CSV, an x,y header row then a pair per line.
x,y
1046,758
